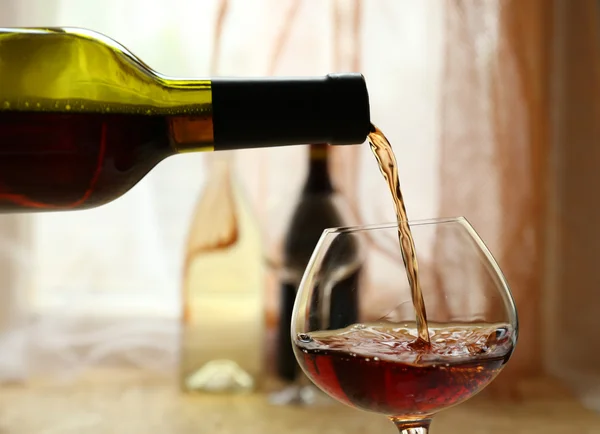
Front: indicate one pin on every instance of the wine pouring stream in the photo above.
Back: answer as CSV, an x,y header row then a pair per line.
x,y
386,159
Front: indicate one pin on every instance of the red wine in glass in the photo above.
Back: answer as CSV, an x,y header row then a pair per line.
x,y
378,368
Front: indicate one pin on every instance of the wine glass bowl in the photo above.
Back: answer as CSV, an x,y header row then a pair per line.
x,y
378,363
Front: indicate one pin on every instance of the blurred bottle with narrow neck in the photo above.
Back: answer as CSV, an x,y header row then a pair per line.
x,y
222,347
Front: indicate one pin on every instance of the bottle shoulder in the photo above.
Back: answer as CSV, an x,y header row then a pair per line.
x,y
223,217
79,70
313,214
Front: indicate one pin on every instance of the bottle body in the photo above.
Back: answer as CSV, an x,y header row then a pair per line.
x,y
82,119
52,162
315,211
223,297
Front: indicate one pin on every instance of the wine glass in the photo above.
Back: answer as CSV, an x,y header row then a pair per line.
x,y
378,363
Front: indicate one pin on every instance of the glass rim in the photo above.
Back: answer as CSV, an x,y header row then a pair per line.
x,y
460,220
331,233
394,225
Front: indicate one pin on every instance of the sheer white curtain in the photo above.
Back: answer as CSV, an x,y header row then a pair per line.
x,y
103,285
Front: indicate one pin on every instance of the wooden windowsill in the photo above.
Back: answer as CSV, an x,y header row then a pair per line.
x,y
130,402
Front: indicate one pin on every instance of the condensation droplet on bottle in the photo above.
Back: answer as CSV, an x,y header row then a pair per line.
x,y
68,107
6,104
26,103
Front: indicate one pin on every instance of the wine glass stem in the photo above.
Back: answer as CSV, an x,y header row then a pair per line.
x,y
413,426
414,430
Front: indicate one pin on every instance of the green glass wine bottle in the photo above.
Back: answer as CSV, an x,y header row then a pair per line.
x,y
82,120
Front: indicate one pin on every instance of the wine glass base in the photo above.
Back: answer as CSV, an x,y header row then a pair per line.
x,y
411,426
299,395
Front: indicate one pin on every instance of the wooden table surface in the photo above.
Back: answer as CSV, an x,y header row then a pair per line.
x,y
131,403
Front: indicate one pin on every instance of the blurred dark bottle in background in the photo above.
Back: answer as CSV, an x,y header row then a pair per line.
x,y
317,209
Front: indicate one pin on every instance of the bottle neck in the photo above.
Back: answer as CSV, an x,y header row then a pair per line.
x,y
238,113
318,179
